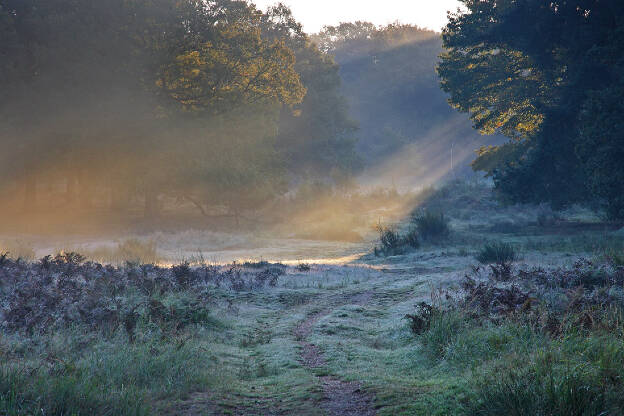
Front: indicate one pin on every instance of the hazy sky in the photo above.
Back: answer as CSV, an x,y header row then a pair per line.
x,y
314,14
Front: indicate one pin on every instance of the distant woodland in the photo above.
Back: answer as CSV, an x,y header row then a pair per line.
x,y
122,105
118,103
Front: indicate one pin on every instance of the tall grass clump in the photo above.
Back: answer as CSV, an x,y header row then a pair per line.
x,y
444,329
548,383
498,253
393,243
615,257
432,227
25,391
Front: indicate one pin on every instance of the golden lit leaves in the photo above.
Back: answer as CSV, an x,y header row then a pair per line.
x,y
498,87
490,158
238,67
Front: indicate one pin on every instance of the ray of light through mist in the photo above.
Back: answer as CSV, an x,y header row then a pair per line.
x,y
111,153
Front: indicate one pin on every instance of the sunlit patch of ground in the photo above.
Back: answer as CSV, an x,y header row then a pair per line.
x,y
192,246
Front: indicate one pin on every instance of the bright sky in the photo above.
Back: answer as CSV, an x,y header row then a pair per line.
x,y
314,14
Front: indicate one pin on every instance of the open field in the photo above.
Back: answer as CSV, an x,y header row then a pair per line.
x,y
324,337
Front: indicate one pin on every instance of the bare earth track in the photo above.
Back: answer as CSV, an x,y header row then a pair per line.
x,y
340,398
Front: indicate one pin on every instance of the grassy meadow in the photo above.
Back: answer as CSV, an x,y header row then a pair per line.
x,y
466,307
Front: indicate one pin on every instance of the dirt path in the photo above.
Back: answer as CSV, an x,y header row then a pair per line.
x,y
340,398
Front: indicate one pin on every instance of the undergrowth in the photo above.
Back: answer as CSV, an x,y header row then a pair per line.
x,y
432,227
544,342
393,243
82,338
498,253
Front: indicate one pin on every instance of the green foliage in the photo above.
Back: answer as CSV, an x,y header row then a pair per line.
x,y
601,144
529,354
393,243
547,385
390,240
499,253
212,113
443,331
431,227
555,91
68,393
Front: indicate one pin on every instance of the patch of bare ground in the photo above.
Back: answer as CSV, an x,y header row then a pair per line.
x,y
204,404
197,404
340,398
346,399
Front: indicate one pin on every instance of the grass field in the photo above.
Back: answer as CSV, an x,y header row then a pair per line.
x,y
313,338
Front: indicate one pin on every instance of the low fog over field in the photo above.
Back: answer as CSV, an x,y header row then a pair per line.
x,y
205,210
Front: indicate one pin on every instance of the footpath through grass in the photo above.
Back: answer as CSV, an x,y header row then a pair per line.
x,y
430,331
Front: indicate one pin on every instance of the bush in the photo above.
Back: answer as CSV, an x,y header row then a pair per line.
x,y
431,227
412,238
420,322
444,328
615,257
499,253
67,393
392,243
541,388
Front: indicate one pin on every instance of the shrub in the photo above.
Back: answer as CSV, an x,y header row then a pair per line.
x,y
256,264
431,227
390,241
412,238
541,388
420,322
499,253
393,243
615,257
444,328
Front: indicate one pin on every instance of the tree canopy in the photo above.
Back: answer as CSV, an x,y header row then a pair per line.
x,y
111,102
547,75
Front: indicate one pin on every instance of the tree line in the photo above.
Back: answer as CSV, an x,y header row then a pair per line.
x,y
127,101
548,75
